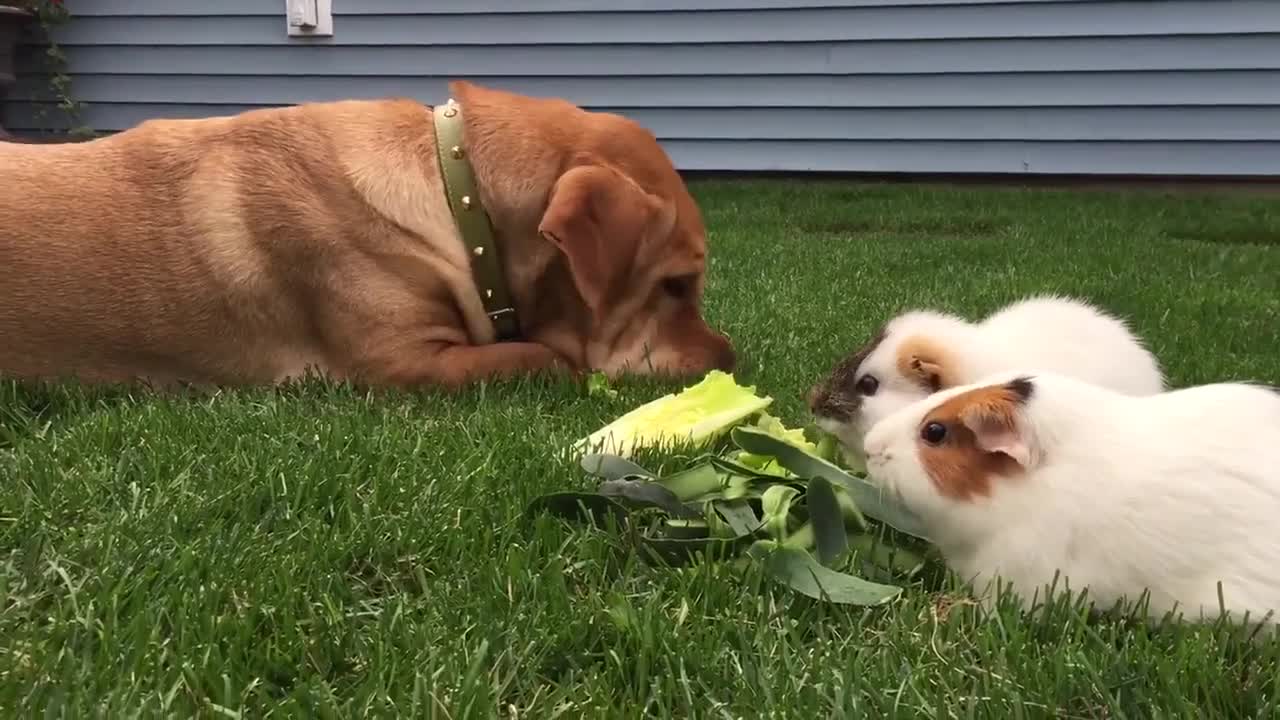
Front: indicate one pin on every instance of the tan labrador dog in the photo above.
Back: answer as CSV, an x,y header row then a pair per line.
x,y
254,248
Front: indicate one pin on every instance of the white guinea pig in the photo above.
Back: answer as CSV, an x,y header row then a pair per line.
x,y
923,351
1024,474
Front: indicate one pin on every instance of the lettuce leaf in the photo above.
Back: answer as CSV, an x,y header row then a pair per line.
x,y
694,416
767,464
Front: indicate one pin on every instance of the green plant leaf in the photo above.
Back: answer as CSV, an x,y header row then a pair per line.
x,y
733,467
646,493
768,464
686,529
828,448
579,507
695,482
802,538
775,505
598,384
693,417
798,570
739,516
682,551
827,518
853,521
866,497
738,488
741,481
900,562
612,467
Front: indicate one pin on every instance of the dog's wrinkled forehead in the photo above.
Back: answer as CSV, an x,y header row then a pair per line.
x,y
835,397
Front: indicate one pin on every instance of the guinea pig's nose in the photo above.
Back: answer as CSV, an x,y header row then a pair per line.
x,y
816,397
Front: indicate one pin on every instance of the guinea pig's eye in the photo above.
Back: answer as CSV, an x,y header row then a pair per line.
x,y
868,384
933,433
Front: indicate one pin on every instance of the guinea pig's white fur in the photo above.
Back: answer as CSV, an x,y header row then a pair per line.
x,y
922,351
1170,493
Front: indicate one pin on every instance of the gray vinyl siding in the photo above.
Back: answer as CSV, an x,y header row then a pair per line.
x,y
1176,87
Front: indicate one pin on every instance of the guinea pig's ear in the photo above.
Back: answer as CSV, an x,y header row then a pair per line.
x,y
999,423
927,372
924,363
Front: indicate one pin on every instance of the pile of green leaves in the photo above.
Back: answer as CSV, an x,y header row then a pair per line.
x,y
773,498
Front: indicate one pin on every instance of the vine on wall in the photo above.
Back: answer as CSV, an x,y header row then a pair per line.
x,y
50,14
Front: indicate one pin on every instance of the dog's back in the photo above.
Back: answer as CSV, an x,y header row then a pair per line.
x,y
117,250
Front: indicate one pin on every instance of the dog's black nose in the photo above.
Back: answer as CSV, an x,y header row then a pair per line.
x,y
726,358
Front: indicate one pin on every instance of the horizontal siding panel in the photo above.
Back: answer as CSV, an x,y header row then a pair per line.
x,y
1058,124
1002,86
1151,158
814,24
129,8
1228,52
1012,90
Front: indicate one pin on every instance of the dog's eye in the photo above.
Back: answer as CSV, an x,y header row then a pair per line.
x,y
868,384
678,287
933,433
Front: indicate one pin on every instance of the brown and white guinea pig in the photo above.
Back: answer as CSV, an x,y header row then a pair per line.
x,y
924,351
1024,474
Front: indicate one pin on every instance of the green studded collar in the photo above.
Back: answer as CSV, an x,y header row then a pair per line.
x,y
473,222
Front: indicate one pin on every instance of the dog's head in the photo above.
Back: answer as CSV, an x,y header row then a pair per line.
x,y
631,245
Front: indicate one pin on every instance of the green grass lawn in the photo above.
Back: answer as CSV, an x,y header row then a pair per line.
x,y
317,552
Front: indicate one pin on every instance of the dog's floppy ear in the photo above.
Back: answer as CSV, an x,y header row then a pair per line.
x,y
598,218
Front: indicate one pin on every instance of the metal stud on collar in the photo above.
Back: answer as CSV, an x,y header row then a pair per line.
x,y
472,221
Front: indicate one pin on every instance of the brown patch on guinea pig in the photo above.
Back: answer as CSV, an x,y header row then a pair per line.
x,y
972,438
836,397
927,363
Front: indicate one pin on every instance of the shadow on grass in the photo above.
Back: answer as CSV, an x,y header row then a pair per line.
x,y
32,409
951,227
1226,236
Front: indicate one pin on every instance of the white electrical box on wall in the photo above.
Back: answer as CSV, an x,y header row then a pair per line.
x,y
309,18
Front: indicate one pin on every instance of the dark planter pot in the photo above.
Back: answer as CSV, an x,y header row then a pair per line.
x,y
12,20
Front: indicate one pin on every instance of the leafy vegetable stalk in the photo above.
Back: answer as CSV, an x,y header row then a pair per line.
x,y
783,499
696,415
